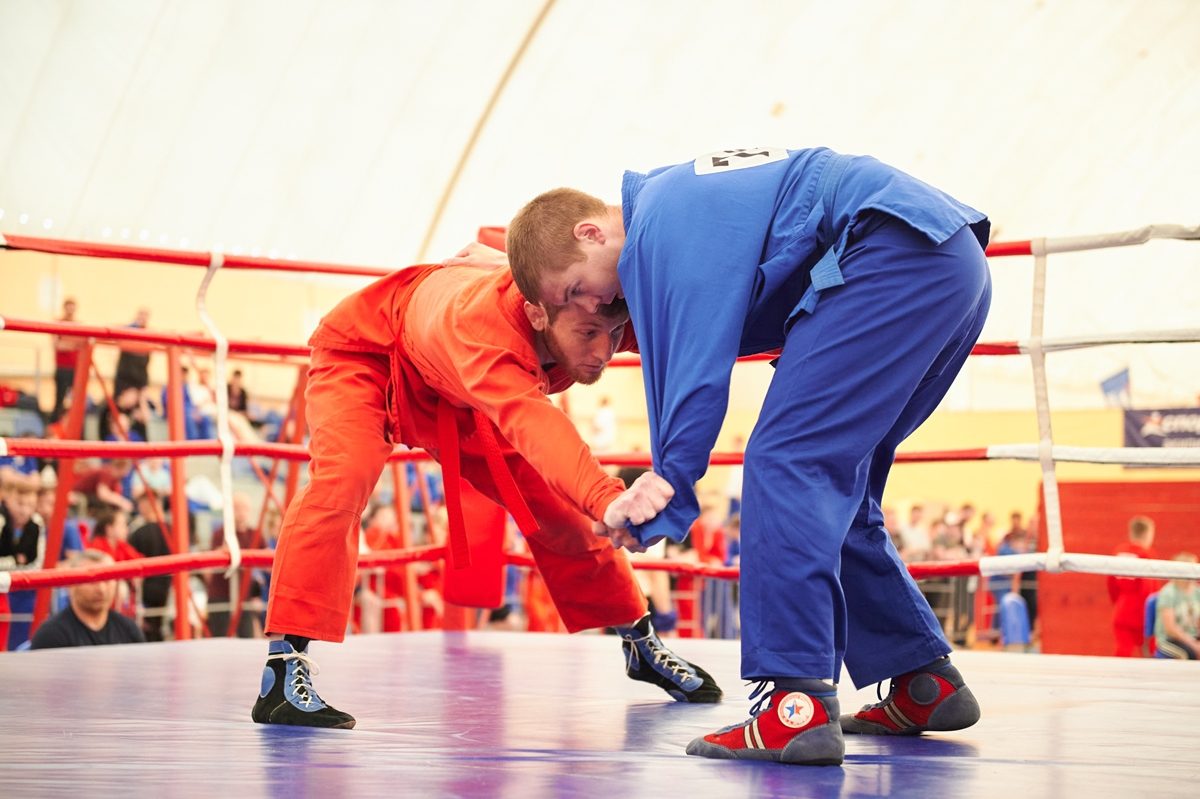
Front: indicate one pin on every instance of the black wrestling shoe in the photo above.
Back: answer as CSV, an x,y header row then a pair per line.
x,y
287,695
647,659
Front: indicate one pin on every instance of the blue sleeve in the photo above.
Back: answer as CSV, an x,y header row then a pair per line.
x,y
688,275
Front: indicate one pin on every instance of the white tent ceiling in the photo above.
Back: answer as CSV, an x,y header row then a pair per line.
x,y
330,131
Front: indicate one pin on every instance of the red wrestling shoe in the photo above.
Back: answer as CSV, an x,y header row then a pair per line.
x,y
931,698
795,727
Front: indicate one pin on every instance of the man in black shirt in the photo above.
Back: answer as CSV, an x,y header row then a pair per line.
x,y
149,539
88,620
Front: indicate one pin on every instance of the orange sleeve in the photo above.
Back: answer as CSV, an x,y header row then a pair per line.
x,y
483,369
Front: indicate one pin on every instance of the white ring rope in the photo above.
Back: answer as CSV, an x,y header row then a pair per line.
x,y
1121,456
1115,565
224,435
1123,238
1137,337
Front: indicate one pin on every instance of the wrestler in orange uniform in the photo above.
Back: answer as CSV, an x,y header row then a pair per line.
x,y
451,359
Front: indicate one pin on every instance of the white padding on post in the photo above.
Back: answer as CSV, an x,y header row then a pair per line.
x,y
3,448
5,582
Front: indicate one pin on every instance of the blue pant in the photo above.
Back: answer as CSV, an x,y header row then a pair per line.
x,y
821,582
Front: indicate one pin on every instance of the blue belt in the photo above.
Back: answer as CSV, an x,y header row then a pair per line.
x,y
827,273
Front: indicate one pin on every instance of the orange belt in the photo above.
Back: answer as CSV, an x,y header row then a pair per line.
x,y
506,485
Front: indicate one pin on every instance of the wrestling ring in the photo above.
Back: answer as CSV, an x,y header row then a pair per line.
x,y
465,712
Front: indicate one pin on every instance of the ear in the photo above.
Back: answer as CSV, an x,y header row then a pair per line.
x,y
589,231
537,316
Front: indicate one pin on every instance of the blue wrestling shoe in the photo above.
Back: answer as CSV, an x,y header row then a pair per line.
x,y
647,659
287,695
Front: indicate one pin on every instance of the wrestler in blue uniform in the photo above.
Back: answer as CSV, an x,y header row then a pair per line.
x,y
876,287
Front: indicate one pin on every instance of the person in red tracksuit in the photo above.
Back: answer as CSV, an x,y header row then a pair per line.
x,y
1128,594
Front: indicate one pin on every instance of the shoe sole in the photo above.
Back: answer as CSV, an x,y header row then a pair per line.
x,y
259,716
957,712
821,746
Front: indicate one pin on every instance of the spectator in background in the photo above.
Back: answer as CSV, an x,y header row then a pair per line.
x,y
238,401
1128,594
915,535
204,403
133,364
155,473
66,351
111,536
22,543
150,540
72,540
219,593
133,412
733,483
87,620
604,428
1177,623
20,534
102,485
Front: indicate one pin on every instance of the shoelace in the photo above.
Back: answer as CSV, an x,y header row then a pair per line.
x,y
760,693
306,669
662,655
883,700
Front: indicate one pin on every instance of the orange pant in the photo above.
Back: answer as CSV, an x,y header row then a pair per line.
x,y
315,569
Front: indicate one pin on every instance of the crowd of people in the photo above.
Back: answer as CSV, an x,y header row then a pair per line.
x,y
117,514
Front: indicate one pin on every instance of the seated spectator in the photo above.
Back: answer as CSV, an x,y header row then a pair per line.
x,y
110,535
150,540
102,485
20,534
1177,625
72,540
915,536
155,473
239,402
87,620
21,547
133,412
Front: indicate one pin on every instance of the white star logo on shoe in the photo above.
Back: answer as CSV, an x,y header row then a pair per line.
x,y
796,710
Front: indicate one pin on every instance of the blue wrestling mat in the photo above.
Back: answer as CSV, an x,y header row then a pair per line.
x,y
493,714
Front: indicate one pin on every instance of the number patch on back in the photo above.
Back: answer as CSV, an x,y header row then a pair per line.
x,y
729,160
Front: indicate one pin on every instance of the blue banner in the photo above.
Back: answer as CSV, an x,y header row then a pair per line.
x,y
1165,427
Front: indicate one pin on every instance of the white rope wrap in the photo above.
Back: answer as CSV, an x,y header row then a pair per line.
x,y
5,582
1091,564
1041,391
3,241
224,435
1123,238
1,322
1121,456
3,448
